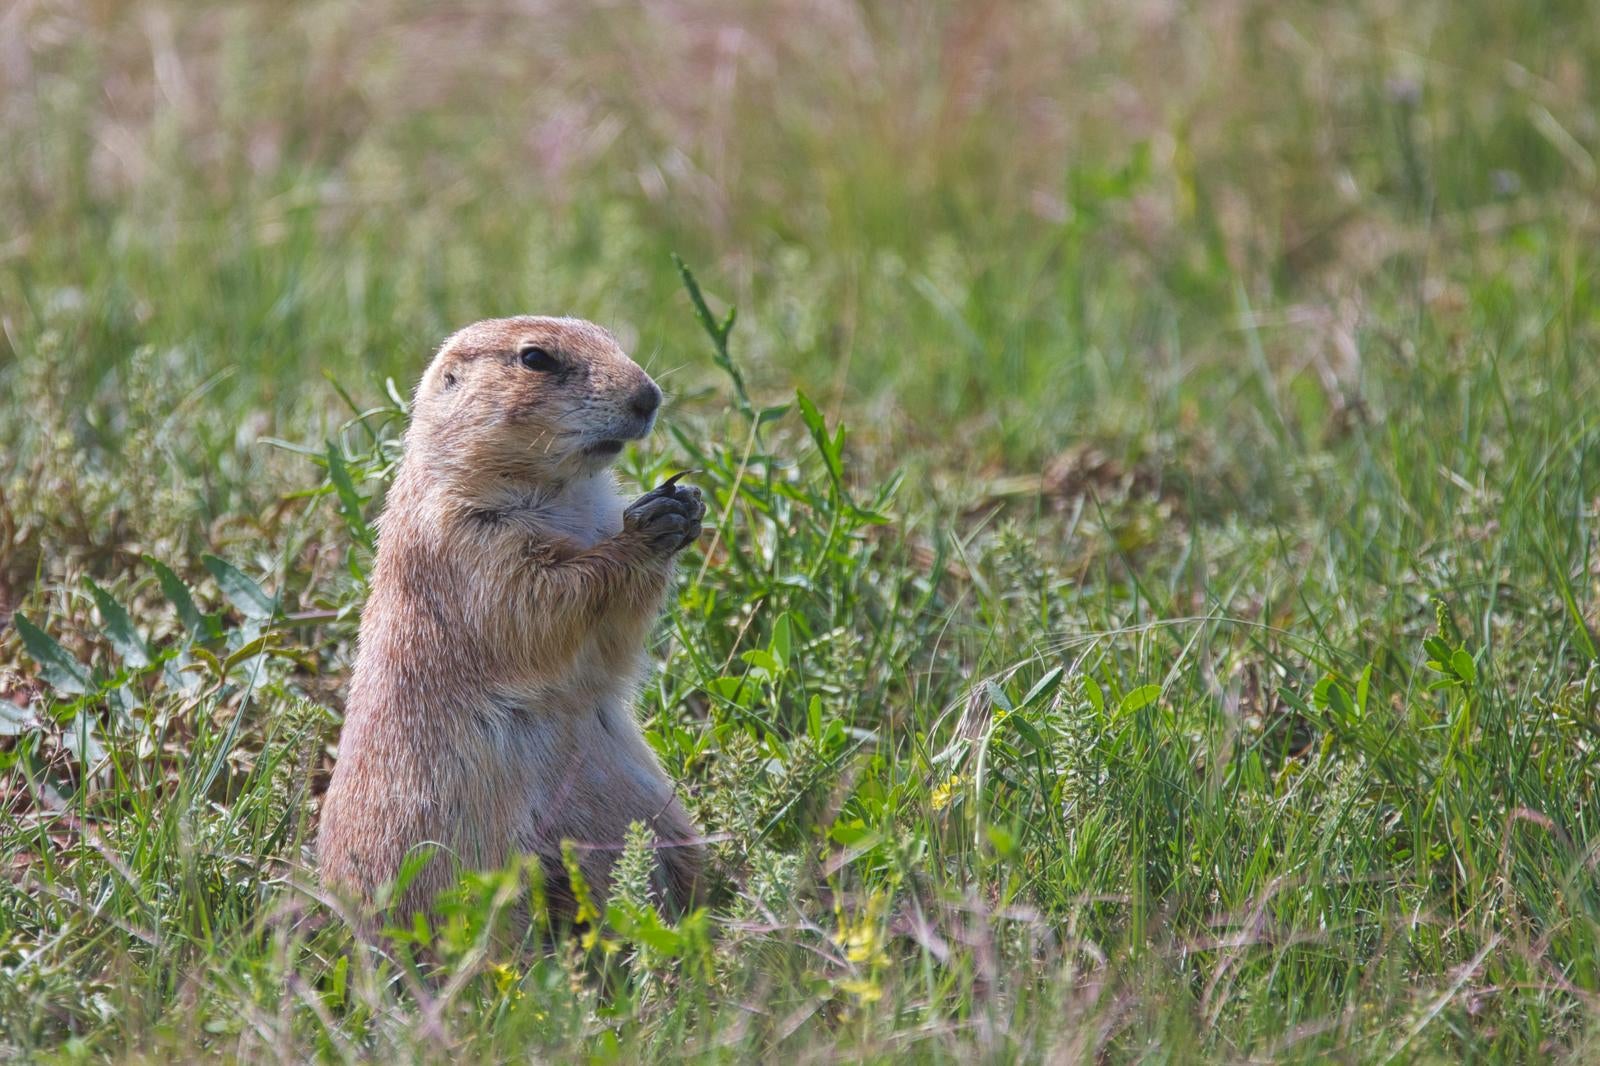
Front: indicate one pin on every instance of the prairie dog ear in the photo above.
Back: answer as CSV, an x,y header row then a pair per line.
x,y
448,367
443,375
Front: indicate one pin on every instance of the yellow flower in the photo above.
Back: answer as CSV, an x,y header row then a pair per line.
x,y
862,938
861,943
505,979
864,991
946,791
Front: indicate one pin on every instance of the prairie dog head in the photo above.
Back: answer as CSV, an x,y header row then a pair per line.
x,y
530,401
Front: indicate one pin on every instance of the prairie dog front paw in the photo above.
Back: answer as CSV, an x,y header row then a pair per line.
x,y
668,517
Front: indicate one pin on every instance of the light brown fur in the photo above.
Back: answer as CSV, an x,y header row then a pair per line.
x,y
503,641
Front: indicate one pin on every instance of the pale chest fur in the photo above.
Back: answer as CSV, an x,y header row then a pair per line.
x,y
608,660
561,751
582,512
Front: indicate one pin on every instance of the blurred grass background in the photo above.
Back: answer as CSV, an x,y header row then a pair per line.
x,y
1273,314
1024,220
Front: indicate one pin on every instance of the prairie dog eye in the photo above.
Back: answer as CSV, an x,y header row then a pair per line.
x,y
536,358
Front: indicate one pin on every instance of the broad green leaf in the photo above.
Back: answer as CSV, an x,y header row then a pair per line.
x,y
782,639
178,595
1461,662
763,661
242,592
1001,840
334,992
847,834
1097,698
1333,697
1139,699
1043,688
997,696
15,720
728,688
1292,699
63,673
1028,731
643,925
119,630
246,651
207,662
350,502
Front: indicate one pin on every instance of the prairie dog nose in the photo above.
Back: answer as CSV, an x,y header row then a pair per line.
x,y
646,399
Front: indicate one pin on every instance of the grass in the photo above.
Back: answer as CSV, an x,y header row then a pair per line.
x,y
1152,608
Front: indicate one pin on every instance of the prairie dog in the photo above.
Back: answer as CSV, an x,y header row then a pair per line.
x,y
502,643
